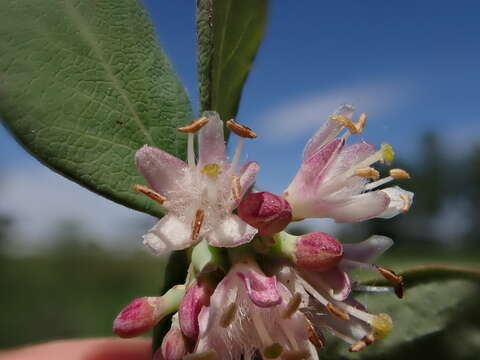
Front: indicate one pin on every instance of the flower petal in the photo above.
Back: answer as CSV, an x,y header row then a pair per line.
x,y
248,172
339,282
170,233
159,168
211,142
231,232
367,250
327,132
197,296
261,289
357,208
400,201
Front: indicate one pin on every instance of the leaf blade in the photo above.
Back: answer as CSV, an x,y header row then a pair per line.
x,y
84,85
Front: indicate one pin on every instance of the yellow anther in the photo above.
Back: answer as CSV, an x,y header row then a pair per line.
x,y
387,153
368,173
362,121
382,325
399,174
212,170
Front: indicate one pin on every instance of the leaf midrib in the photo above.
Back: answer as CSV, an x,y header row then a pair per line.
x,y
89,37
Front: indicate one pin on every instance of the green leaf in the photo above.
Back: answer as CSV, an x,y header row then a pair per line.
x,y
83,85
440,304
229,34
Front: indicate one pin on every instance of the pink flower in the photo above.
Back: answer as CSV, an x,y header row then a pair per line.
x,y
250,314
199,196
334,179
327,298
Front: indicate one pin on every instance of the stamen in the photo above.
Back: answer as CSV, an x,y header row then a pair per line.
x,y
292,306
354,128
197,224
191,151
370,288
399,174
152,194
335,311
194,125
296,355
205,355
378,183
406,202
368,173
261,330
340,335
273,351
236,187
397,280
362,344
241,130
313,335
228,315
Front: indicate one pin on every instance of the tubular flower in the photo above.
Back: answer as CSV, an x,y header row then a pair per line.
x,y
335,180
251,315
327,298
199,196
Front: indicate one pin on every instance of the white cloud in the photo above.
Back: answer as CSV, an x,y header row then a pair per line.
x,y
39,199
304,114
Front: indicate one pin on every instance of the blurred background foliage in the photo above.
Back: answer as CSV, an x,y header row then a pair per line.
x,y
73,286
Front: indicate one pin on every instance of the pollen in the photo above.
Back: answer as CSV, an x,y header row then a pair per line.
x,y
368,173
382,325
354,128
212,170
387,153
399,174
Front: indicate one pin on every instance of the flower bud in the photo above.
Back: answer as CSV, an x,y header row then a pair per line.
x,y
174,346
267,212
137,317
144,313
317,251
197,296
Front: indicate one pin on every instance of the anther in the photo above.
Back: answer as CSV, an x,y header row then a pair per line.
x,y
354,128
406,202
313,336
194,125
152,194
236,187
382,325
390,275
241,130
228,315
387,153
296,355
341,314
362,344
206,355
273,351
368,173
399,174
292,306
197,224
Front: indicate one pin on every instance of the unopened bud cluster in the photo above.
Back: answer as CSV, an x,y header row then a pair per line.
x,y
253,290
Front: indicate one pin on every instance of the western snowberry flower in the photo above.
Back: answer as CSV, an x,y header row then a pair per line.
x,y
334,179
267,212
250,314
174,346
198,196
327,297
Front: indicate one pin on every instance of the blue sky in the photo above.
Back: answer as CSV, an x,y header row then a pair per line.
x,y
411,65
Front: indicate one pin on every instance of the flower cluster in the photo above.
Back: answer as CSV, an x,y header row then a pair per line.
x,y
253,290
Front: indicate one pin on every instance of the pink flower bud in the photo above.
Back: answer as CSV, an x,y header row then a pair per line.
x,y
173,347
137,317
267,212
197,296
317,251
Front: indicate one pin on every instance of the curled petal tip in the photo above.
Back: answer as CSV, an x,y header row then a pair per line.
x,y
137,317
